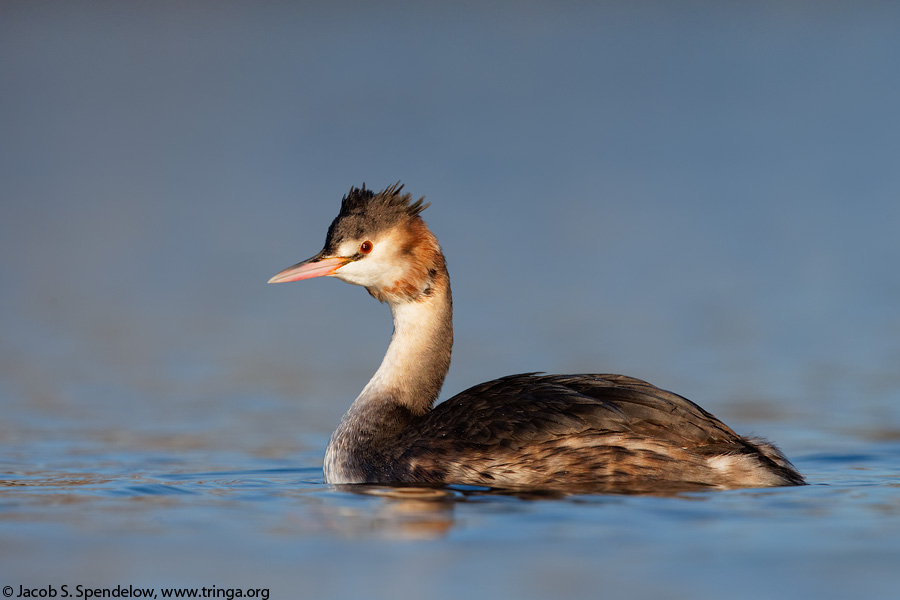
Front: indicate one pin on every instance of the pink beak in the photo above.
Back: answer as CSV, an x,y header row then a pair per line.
x,y
313,267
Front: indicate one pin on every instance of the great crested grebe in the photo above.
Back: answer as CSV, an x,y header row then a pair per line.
x,y
520,431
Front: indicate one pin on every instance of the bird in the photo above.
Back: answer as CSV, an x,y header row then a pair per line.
x,y
529,431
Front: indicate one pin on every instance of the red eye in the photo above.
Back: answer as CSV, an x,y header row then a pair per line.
x,y
365,247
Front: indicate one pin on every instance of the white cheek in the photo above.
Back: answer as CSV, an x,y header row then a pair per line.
x,y
379,269
359,272
371,271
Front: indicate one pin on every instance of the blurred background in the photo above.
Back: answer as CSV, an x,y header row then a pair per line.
x,y
704,195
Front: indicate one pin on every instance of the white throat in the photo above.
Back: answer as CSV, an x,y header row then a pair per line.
x,y
409,380
418,357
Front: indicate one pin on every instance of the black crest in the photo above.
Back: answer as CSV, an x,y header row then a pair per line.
x,y
365,213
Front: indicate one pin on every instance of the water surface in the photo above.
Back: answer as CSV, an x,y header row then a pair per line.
x,y
702,196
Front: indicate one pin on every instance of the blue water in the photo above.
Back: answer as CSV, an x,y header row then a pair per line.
x,y
704,196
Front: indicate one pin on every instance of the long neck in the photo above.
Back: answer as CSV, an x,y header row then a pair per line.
x,y
418,357
410,377
406,384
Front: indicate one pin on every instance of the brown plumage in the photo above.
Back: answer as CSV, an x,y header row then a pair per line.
x,y
584,432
